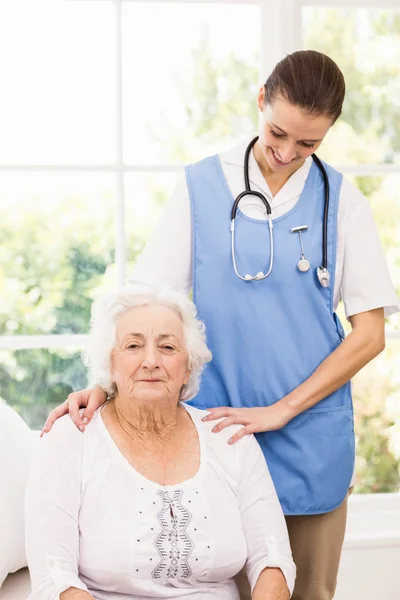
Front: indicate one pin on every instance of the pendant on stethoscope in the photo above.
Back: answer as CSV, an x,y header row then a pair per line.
x,y
303,265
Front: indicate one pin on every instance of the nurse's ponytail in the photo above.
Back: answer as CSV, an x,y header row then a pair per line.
x,y
310,80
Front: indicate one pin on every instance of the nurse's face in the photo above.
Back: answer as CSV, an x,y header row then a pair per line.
x,y
287,134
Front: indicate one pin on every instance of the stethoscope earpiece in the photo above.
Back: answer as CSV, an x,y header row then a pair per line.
x,y
260,275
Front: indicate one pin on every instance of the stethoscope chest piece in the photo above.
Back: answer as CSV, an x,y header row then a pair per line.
x,y
323,276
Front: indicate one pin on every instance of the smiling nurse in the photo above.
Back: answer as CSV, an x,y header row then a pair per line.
x,y
267,274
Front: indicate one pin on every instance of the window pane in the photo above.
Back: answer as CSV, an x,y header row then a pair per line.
x,y
366,45
57,66
377,420
383,194
57,243
35,381
190,79
146,196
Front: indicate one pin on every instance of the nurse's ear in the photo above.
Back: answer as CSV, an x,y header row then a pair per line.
x,y
261,98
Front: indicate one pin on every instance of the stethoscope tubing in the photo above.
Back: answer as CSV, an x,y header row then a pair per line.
x,y
326,211
323,273
259,275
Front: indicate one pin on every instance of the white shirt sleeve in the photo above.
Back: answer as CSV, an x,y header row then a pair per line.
x,y
263,521
51,510
366,282
167,256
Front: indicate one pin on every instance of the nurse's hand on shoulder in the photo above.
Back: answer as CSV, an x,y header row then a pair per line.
x,y
255,420
90,399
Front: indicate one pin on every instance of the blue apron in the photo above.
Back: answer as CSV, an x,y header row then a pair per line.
x,y
268,336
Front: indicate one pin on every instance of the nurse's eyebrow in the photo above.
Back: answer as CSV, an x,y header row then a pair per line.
x,y
276,127
284,132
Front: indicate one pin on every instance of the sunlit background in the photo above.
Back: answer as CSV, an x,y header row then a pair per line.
x,y
101,104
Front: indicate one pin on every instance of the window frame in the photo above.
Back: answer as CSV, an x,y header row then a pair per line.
x,y
281,33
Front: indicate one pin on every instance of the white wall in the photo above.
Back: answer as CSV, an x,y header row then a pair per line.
x,y
370,565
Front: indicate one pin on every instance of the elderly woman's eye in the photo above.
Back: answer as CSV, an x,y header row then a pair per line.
x,y
133,346
167,347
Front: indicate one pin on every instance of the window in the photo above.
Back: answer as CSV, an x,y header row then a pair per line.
x,y
365,43
103,101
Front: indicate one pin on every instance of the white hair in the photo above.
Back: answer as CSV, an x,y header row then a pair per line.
x,y
105,314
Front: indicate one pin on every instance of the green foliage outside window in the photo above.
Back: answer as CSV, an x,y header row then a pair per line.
x,y
56,261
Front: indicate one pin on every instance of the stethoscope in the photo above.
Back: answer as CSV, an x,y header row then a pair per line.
x,y
303,264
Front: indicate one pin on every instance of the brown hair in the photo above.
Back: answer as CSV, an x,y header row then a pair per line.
x,y
310,80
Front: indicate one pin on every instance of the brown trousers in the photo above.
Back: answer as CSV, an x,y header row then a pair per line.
x,y
316,542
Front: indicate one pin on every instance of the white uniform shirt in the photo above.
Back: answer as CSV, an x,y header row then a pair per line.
x,y
362,278
95,523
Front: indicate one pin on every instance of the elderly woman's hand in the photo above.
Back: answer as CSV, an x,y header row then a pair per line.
x,y
91,399
271,585
75,594
255,420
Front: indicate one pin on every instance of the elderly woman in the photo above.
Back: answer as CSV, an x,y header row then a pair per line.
x,y
148,503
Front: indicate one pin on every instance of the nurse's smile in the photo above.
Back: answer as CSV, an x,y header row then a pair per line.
x,y
288,135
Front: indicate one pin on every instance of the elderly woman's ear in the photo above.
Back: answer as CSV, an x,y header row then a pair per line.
x,y
112,368
112,365
187,377
189,370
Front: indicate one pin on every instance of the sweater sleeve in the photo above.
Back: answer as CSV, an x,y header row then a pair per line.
x,y
262,517
366,282
51,510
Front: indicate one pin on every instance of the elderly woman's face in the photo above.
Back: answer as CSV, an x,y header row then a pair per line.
x,y
150,360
